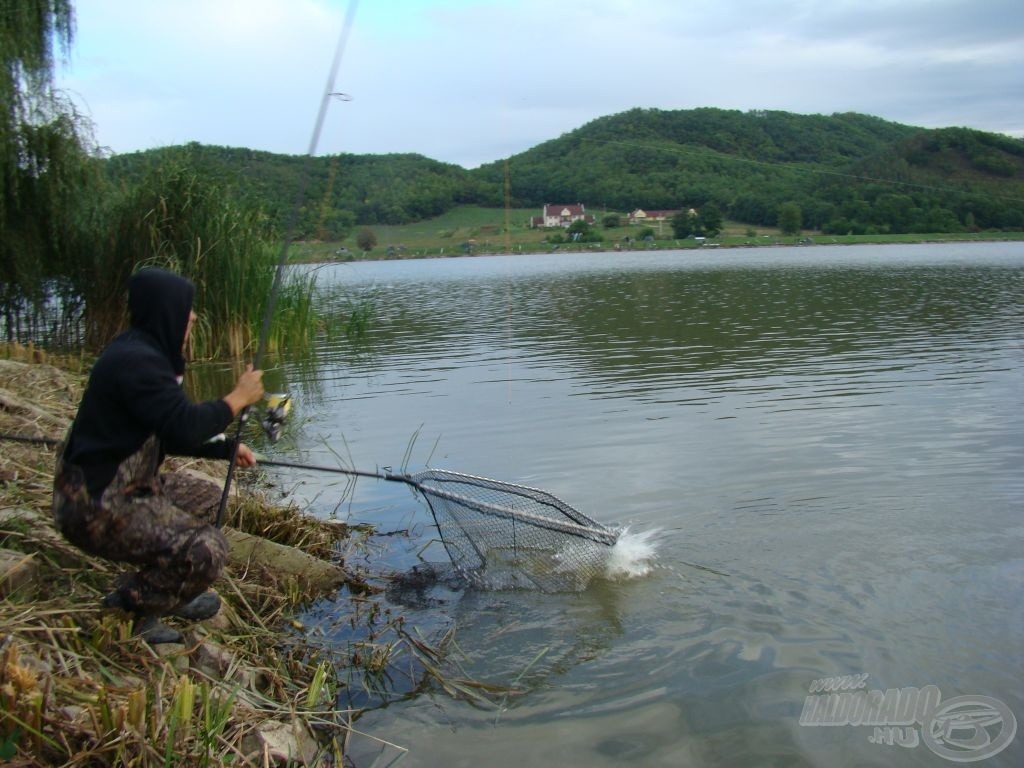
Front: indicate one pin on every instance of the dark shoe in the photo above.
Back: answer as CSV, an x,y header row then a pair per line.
x,y
115,602
154,632
199,608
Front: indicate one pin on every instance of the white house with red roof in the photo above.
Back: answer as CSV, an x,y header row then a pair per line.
x,y
561,215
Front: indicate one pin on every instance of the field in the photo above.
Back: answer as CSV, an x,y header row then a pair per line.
x,y
472,230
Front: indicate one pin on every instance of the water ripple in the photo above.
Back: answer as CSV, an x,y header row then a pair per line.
x,y
829,444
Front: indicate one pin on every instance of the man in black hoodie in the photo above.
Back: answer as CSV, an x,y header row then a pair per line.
x,y
109,498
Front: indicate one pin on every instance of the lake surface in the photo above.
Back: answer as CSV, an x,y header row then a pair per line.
x,y
828,443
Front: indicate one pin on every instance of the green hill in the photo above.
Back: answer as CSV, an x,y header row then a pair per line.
x,y
847,173
850,171
340,190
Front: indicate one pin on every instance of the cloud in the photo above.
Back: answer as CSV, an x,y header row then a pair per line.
x,y
471,81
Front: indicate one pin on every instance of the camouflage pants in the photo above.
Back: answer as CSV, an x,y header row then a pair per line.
x,y
137,521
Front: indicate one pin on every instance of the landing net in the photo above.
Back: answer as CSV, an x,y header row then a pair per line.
x,y
506,536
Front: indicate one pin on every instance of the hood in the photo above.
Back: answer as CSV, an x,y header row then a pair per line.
x,y
159,303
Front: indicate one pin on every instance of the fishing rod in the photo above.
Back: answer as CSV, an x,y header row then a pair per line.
x,y
328,94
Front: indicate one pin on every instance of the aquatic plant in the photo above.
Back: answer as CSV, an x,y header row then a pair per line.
x,y
176,218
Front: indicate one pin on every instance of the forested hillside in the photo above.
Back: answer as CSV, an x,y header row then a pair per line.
x,y
340,190
846,172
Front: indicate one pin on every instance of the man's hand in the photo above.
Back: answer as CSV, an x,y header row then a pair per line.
x,y
248,390
244,457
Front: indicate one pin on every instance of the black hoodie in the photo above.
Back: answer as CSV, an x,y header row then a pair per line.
x,y
134,391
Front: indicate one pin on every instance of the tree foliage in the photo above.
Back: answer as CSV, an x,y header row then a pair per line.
x,y
45,167
68,241
366,239
834,168
845,172
342,191
682,224
709,220
790,218
582,232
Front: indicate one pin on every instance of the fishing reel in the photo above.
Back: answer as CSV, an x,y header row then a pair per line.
x,y
278,406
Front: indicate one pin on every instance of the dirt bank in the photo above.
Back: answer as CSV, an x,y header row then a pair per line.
x,y
77,689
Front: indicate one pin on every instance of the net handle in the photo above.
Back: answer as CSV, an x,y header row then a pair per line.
x,y
596,532
392,477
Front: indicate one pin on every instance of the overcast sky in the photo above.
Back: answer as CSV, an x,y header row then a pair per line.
x,y
472,81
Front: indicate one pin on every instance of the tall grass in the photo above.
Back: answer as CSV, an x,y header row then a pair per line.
x,y
177,219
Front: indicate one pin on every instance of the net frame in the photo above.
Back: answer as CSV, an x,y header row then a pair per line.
x,y
503,535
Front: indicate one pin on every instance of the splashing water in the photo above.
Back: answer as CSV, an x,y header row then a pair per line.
x,y
631,555
571,568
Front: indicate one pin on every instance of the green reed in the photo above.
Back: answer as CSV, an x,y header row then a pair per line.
x,y
176,218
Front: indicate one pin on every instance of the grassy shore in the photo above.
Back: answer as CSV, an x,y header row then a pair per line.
x,y
472,230
245,688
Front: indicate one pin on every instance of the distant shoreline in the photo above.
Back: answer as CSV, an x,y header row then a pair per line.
x,y
727,243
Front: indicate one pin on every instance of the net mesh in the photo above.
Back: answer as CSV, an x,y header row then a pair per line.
x,y
507,536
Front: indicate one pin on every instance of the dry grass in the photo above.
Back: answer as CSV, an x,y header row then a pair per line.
x,y
77,689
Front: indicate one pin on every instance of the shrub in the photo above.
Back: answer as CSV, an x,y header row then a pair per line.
x,y
366,239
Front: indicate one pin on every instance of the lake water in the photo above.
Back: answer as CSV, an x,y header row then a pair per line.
x,y
827,443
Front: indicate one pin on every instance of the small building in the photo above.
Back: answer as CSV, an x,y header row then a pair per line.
x,y
561,216
640,216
